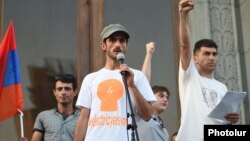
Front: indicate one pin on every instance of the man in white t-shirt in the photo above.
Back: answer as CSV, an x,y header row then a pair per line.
x,y
103,99
199,91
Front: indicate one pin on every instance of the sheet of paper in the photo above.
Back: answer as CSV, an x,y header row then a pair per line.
x,y
229,103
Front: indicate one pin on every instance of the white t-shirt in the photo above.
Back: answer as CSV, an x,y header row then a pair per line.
x,y
198,96
103,92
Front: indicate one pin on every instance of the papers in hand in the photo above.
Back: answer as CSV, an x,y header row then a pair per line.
x,y
229,103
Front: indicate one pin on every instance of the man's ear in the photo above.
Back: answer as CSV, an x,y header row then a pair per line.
x,y
103,46
76,92
54,92
195,59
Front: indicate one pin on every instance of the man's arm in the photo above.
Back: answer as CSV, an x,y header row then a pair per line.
x,y
143,107
37,136
81,125
146,67
185,50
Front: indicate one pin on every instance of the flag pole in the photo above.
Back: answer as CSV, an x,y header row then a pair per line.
x,y
21,122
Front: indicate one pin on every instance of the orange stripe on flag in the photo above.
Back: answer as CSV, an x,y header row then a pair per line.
x,y
11,100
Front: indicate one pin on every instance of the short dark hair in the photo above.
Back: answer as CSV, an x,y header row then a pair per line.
x,y
204,43
65,78
158,88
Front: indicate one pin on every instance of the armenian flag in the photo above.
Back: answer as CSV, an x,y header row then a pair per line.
x,y
11,99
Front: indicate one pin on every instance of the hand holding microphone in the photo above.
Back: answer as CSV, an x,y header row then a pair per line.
x,y
124,69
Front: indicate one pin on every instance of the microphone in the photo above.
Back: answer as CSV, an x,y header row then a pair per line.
x,y
120,57
133,127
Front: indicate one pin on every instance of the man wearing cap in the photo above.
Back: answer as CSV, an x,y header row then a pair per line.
x,y
102,98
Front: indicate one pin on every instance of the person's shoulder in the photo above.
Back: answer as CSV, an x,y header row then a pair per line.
x,y
136,71
221,84
45,112
92,74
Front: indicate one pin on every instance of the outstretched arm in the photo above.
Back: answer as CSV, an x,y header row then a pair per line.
x,y
185,49
146,67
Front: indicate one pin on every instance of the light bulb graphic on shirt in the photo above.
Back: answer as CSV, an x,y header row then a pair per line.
x,y
109,92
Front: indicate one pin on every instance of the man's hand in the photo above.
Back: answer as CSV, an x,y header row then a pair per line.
x,y
185,6
232,117
150,47
23,139
129,74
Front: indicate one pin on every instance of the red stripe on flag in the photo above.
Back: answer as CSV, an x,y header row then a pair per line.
x,y
11,101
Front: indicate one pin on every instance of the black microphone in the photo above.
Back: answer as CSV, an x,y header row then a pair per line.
x,y
121,57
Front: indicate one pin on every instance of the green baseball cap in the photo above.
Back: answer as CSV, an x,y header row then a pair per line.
x,y
112,28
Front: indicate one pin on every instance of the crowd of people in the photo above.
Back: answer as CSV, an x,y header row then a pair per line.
x,y
103,110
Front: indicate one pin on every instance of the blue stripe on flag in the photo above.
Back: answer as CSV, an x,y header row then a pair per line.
x,y
12,72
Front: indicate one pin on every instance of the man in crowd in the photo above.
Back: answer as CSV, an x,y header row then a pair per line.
x,y
199,91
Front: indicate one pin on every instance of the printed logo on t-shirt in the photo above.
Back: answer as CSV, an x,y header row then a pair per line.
x,y
210,97
108,121
109,92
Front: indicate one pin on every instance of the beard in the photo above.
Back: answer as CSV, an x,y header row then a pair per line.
x,y
112,55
